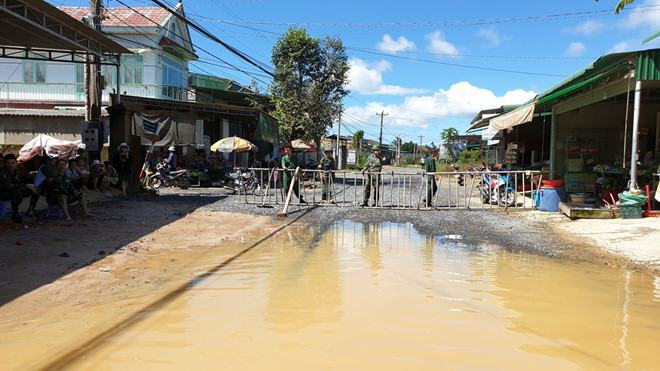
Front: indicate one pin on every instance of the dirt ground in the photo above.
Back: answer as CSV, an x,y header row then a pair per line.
x,y
137,252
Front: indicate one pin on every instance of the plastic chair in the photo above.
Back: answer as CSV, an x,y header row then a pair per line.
x,y
54,211
5,208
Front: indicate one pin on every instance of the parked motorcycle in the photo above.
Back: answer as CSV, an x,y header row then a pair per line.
x,y
243,181
460,178
165,178
496,189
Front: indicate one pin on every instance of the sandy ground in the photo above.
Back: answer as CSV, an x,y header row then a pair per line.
x,y
634,239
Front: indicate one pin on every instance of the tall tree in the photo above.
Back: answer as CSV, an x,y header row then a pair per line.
x,y
308,88
448,134
357,140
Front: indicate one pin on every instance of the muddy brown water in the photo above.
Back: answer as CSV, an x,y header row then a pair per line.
x,y
382,297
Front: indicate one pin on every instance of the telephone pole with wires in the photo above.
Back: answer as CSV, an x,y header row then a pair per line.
x,y
93,131
380,137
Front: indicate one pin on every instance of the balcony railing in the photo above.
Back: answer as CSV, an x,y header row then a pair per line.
x,y
18,91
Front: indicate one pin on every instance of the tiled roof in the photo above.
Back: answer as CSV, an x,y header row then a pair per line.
x,y
123,17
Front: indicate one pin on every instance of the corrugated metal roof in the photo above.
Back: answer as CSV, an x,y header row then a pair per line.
x,y
648,65
123,17
42,112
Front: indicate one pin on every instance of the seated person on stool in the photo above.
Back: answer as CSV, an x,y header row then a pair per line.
x,y
11,188
60,191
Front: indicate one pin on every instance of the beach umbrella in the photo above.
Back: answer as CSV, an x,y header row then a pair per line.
x,y
233,144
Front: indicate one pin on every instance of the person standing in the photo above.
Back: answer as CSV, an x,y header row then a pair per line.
x,y
327,164
289,164
431,185
172,161
373,167
122,163
11,188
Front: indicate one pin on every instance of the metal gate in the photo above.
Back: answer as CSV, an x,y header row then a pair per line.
x,y
397,189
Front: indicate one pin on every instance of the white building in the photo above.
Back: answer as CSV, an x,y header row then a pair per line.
x,y
48,97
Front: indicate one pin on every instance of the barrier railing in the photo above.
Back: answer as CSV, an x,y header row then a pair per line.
x,y
395,190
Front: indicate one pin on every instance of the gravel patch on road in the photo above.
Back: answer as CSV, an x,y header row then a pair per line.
x,y
473,226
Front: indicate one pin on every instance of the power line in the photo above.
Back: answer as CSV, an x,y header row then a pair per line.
x,y
460,65
444,24
190,41
200,29
368,50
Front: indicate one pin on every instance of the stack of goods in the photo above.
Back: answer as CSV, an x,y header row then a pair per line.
x,y
631,205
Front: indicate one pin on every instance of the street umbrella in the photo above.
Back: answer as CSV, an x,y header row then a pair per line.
x,y
299,144
233,144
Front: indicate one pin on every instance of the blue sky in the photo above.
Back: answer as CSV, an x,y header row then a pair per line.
x,y
423,98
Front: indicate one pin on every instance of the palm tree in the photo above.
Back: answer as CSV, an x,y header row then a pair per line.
x,y
448,134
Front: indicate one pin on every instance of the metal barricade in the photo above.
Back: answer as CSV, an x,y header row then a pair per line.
x,y
396,189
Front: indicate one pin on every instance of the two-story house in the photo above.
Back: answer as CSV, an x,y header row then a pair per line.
x,y
39,97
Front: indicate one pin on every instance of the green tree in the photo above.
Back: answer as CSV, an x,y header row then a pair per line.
x,y
357,140
408,146
308,88
448,134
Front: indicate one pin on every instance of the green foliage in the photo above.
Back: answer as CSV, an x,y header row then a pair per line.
x,y
308,88
448,134
357,140
471,156
408,146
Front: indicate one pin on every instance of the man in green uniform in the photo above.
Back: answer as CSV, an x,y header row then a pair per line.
x,y
431,186
289,164
327,164
373,168
11,188
60,191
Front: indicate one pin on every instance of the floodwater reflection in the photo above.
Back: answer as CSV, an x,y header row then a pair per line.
x,y
383,296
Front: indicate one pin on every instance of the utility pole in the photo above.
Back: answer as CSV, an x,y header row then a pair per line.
x,y
338,163
398,151
93,104
419,147
382,115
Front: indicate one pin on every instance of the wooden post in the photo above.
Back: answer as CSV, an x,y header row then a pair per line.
x,y
284,211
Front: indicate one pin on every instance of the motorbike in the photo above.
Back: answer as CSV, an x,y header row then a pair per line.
x,y
164,177
244,181
460,178
496,189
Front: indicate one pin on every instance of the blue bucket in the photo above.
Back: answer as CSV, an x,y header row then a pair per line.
x,y
549,198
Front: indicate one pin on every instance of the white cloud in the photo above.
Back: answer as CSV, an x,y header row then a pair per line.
x,y
575,49
586,28
367,79
623,46
400,44
461,99
494,37
439,45
643,16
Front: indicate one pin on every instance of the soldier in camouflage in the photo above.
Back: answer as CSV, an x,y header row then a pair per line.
x,y
373,168
289,164
327,164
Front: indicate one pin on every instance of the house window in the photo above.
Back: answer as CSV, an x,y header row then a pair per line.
x,y
132,67
172,33
173,78
34,71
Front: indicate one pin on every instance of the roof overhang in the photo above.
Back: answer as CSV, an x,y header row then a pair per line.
x,y
38,27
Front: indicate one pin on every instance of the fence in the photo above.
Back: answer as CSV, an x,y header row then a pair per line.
x,y
397,190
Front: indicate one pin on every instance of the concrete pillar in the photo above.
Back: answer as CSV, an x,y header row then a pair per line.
x,y
120,132
225,133
553,144
635,131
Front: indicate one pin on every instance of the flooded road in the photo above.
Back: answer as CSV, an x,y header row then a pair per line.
x,y
360,296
